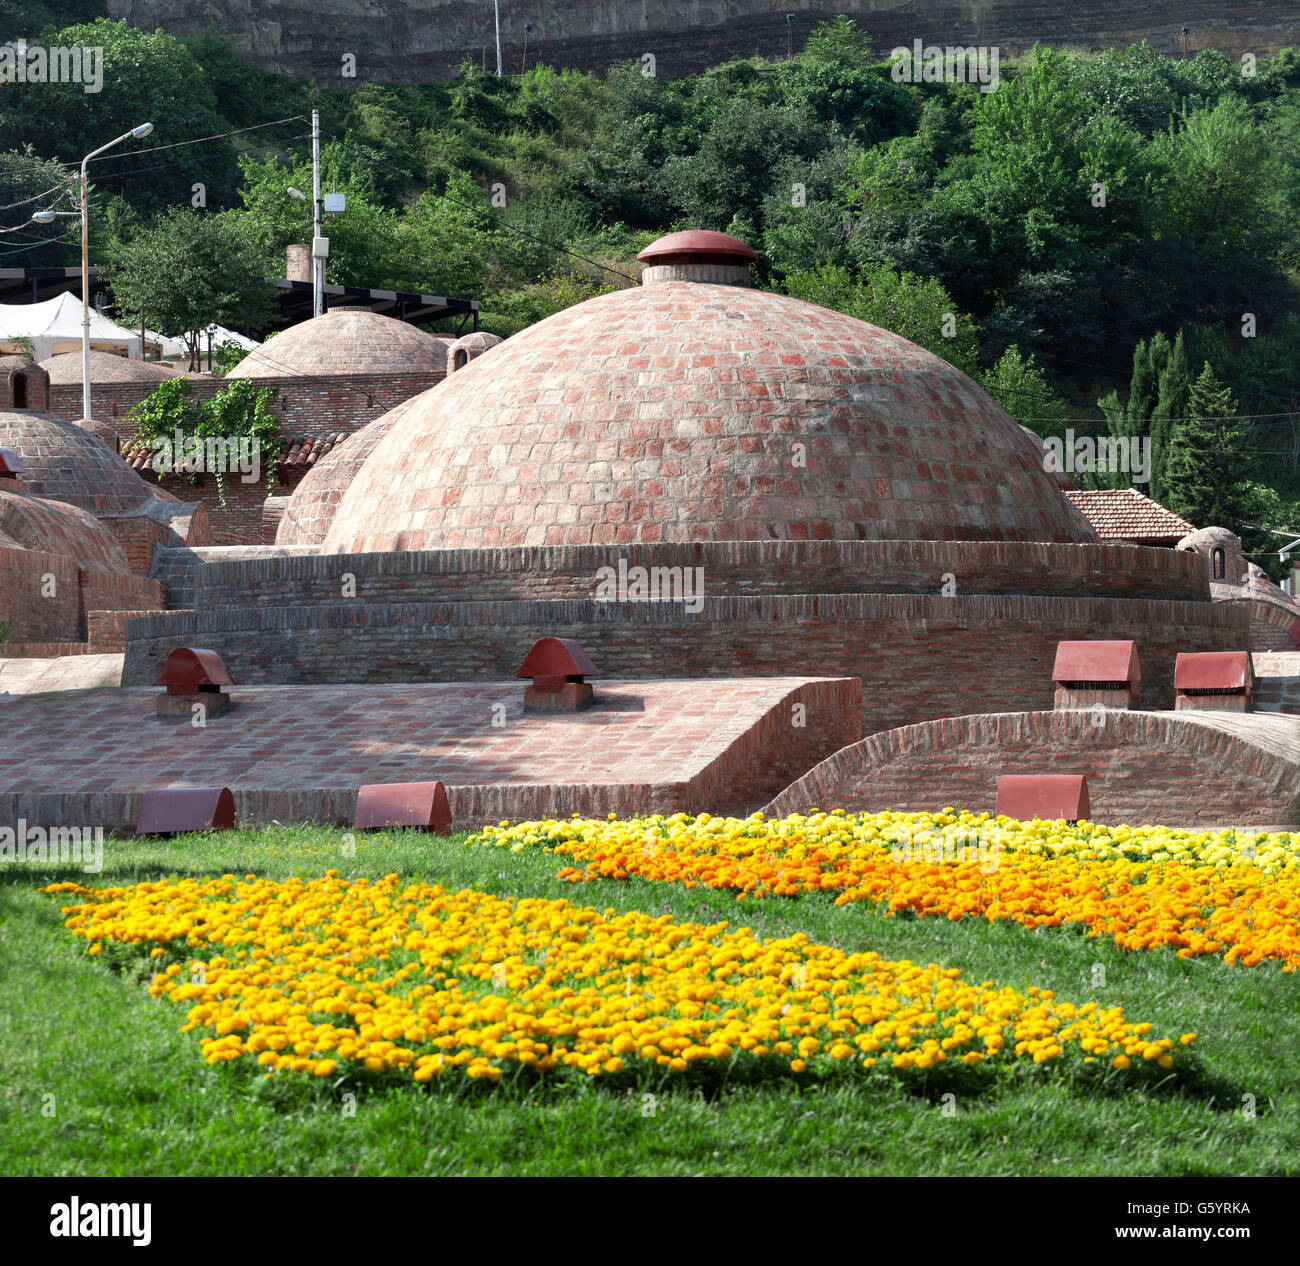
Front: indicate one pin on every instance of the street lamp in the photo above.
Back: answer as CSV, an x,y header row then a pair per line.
x,y
496,4
136,134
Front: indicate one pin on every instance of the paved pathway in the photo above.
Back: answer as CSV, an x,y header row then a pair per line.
x,y
67,672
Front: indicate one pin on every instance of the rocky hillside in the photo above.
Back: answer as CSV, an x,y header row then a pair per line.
x,y
410,41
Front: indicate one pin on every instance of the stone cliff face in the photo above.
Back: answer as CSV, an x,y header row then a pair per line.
x,y
410,41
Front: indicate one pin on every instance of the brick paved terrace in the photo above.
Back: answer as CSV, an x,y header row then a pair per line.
x,y
299,753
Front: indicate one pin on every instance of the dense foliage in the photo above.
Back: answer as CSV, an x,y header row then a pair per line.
x,y
1054,238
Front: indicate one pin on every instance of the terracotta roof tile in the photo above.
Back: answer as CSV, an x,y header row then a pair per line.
x,y
1124,514
296,450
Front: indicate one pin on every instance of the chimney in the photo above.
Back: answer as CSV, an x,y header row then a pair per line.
x,y
297,262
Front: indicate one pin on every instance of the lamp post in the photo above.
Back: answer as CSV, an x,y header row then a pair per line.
x,y
496,5
136,133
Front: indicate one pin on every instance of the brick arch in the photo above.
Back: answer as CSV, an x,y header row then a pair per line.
x,y
1274,626
1141,766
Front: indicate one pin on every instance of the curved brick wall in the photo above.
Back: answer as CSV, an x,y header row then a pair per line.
x,y
918,656
1141,767
730,567
684,411
345,341
1274,626
315,500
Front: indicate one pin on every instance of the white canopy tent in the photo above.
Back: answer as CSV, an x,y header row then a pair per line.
x,y
175,348
55,326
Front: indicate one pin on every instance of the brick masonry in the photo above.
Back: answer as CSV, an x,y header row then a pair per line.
x,y
298,753
1189,769
729,567
308,406
918,656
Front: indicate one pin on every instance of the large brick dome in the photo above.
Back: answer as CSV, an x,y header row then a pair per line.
x,y
345,341
66,463
693,408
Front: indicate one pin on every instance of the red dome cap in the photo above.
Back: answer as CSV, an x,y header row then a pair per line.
x,y
699,246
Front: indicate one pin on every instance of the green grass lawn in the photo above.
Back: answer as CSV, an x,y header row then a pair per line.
x,y
131,1094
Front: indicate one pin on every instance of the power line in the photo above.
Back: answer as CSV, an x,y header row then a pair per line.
x,y
198,140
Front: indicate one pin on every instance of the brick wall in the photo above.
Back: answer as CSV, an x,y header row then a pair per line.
x,y
106,630
918,656
729,567
1140,766
37,618
318,405
101,591
323,405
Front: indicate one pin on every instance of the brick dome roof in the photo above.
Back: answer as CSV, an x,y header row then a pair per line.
x,y
105,367
64,462
315,500
686,410
469,347
55,527
345,341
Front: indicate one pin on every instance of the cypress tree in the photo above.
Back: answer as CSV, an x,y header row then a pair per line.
x,y
1172,405
1208,460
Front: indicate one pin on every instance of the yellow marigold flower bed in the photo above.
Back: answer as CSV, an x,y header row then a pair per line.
x,y
334,975
1222,893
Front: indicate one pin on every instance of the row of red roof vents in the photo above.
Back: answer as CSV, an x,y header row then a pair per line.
x,y
1214,680
1108,674
1047,796
1092,674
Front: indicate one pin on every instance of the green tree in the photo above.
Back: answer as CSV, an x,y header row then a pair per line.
x,y
916,308
149,77
1172,406
1208,463
1022,389
190,270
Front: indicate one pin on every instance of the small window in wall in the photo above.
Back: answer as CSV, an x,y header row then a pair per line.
x,y
1218,562
462,358
19,383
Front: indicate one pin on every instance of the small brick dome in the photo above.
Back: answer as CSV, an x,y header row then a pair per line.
x,y
1223,549
67,463
469,347
345,341
102,431
688,410
315,500
105,367
23,384
54,527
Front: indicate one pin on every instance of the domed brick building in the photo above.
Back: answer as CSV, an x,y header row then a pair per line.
x,y
64,461
345,341
694,408
105,368
839,500
469,347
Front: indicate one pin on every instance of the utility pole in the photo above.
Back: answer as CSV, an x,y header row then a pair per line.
x,y
317,237
496,4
